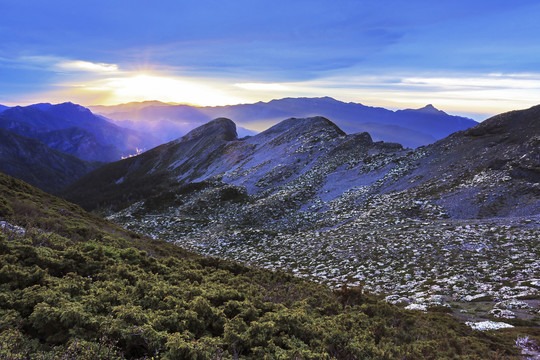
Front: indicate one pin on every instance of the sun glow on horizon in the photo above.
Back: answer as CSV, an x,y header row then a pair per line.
x,y
475,95
142,87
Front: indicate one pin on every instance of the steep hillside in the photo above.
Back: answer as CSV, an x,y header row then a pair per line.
x,y
156,170
76,286
492,169
94,138
80,143
410,128
73,140
39,165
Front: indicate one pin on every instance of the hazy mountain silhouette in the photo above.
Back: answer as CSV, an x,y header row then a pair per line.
x,y
34,162
74,129
411,128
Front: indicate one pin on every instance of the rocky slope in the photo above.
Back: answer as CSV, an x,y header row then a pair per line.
x,y
34,162
446,224
410,128
287,152
492,169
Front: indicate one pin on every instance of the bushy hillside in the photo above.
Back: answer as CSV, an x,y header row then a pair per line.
x,y
74,286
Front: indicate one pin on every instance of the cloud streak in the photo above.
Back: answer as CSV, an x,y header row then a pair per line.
x,y
262,86
56,64
80,65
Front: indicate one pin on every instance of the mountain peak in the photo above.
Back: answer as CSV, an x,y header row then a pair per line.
x,y
321,121
71,106
41,106
430,109
517,125
220,129
304,126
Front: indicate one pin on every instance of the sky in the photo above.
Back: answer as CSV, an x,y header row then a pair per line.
x,y
472,58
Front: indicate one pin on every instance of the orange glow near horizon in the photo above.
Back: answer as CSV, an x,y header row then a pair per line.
x,y
143,87
478,97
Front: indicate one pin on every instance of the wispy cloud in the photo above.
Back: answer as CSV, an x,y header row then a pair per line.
x,y
262,86
80,65
479,82
56,64
33,62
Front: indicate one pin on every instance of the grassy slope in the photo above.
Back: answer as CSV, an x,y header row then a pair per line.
x,y
76,286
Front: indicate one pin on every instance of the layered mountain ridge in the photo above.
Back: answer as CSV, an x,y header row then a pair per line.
x,y
73,129
213,151
411,128
34,162
295,147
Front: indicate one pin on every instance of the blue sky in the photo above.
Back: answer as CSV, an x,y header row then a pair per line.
x,y
470,57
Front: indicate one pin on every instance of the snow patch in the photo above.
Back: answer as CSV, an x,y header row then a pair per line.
x,y
488,325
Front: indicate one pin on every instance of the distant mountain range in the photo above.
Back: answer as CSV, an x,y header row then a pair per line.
x,y
34,162
75,130
411,128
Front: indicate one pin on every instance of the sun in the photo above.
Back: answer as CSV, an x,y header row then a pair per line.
x,y
142,86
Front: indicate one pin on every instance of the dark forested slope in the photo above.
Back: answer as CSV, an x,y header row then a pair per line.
x,y
34,162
